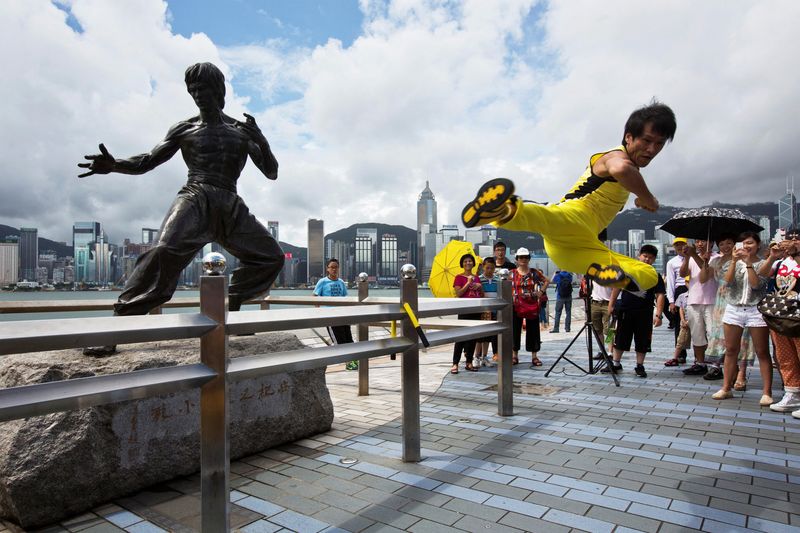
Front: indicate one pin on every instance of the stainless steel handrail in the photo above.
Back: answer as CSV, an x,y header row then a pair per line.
x,y
288,319
274,363
22,307
213,325
80,393
41,335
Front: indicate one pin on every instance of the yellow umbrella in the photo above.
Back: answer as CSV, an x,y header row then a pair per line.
x,y
446,267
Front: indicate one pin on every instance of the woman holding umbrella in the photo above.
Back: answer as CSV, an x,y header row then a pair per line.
x,y
745,289
466,285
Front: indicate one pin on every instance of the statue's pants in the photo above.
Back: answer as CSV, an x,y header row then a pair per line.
x,y
569,230
203,213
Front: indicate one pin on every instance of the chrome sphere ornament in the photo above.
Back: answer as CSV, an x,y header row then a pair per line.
x,y
503,273
363,276
408,271
214,264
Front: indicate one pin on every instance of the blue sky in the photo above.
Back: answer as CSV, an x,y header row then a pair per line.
x,y
303,22
294,24
363,102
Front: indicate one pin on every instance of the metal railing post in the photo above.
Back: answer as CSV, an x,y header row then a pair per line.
x,y
410,370
265,304
363,335
214,445
505,375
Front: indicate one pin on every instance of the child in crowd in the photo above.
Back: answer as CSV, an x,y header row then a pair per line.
x,y
684,335
489,281
544,314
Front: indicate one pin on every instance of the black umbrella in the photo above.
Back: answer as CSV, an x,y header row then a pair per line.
x,y
708,223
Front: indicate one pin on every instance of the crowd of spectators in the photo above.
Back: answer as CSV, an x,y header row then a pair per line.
x,y
709,293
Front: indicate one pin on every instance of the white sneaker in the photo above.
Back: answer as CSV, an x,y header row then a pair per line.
x,y
478,362
789,402
796,414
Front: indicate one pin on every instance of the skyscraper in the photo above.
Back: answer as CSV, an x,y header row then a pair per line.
x,y
426,209
272,228
83,235
766,233
426,224
787,207
389,267
450,232
621,247
316,249
9,262
149,235
366,252
343,251
28,253
635,241
100,260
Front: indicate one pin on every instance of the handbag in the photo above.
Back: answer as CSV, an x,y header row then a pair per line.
x,y
526,307
781,312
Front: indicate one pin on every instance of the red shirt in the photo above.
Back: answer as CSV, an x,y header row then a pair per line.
x,y
528,284
472,292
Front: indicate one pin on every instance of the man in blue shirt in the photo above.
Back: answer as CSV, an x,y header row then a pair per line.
x,y
562,281
331,285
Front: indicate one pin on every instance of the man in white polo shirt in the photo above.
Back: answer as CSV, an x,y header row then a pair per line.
x,y
701,300
673,280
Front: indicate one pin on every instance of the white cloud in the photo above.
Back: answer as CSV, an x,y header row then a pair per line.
x,y
453,92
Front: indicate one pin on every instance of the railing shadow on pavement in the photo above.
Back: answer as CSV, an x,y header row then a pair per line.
x,y
213,324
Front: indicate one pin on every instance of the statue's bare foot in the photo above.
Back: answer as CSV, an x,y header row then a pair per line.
x,y
100,351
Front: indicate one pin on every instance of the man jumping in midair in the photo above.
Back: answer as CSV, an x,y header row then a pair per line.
x,y
570,228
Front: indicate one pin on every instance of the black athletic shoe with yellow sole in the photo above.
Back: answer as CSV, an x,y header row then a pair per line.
x,y
490,204
608,275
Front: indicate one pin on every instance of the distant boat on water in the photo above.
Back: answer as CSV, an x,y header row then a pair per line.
x,y
26,285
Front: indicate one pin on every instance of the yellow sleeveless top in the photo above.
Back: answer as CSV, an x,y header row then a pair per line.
x,y
605,195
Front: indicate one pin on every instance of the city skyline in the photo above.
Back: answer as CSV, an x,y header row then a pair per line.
x,y
373,248
95,259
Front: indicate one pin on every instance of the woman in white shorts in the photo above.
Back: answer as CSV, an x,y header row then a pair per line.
x,y
745,289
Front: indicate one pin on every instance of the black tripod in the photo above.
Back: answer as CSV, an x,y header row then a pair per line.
x,y
591,333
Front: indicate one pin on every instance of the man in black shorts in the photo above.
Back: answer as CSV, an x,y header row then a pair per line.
x,y
635,320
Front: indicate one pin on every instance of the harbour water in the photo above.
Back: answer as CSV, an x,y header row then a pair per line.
x,y
111,296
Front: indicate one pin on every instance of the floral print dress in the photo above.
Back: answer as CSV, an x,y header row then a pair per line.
x,y
716,344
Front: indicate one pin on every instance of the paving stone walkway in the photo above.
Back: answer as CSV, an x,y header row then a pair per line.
x,y
579,454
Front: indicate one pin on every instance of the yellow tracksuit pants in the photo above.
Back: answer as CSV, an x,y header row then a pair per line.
x,y
570,230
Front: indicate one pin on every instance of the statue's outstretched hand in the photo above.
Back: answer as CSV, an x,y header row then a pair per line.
x,y
253,130
101,163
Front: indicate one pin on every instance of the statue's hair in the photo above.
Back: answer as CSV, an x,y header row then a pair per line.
x,y
208,73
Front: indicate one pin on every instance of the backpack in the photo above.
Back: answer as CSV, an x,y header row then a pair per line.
x,y
564,288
